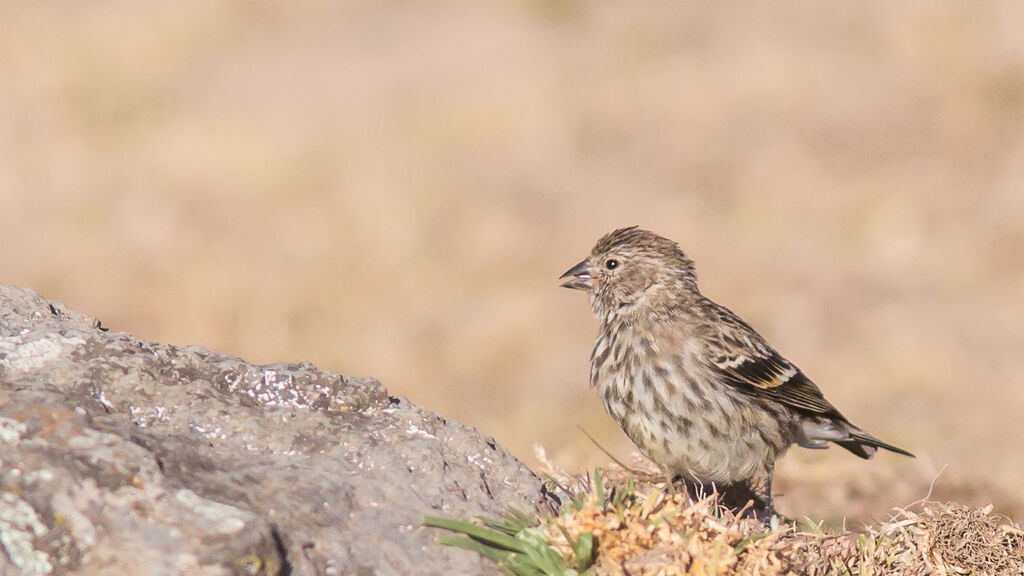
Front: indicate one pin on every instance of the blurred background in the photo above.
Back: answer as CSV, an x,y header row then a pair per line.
x,y
392,189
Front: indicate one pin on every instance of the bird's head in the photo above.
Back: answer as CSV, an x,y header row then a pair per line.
x,y
631,272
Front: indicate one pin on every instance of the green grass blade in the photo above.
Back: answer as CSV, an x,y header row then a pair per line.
x,y
748,540
585,551
485,535
467,543
512,522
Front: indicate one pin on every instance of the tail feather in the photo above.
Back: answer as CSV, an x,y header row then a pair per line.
x,y
865,445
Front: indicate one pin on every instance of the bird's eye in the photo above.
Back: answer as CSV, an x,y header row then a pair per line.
x,y
611,264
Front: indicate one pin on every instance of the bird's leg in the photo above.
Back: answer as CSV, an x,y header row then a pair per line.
x,y
670,482
678,485
690,489
762,498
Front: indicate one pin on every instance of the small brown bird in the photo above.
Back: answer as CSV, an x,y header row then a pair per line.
x,y
692,385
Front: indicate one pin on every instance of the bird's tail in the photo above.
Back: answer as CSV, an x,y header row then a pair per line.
x,y
865,445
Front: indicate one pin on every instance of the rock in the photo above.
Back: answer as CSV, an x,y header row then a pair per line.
x,y
121,456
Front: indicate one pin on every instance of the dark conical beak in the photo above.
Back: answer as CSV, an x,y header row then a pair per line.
x,y
579,277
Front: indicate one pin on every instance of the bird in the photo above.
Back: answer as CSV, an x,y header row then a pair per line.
x,y
694,386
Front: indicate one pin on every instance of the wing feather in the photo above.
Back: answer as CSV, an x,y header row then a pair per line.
x,y
740,357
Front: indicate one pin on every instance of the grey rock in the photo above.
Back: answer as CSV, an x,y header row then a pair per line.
x,y
121,456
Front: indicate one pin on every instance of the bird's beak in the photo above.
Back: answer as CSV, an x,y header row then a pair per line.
x,y
580,277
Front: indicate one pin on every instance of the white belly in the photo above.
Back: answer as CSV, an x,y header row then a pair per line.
x,y
700,430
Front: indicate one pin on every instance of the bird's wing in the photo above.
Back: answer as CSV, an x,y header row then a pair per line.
x,y
740,357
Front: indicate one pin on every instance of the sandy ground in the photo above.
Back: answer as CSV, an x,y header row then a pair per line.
x,y
392,189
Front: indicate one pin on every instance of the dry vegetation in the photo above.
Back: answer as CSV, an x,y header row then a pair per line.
x,y
617,524
391,189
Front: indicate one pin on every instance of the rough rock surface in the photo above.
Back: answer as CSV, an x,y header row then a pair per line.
x,y
120,456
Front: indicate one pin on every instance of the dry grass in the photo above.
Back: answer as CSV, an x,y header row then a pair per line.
x,y
632,526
